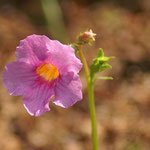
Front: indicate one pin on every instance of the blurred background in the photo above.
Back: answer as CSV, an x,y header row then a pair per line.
x,y
122,105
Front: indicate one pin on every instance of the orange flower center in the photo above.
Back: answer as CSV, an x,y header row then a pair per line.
x,y
48,71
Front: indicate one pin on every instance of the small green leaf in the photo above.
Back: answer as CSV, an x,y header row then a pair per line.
x,y
100,63
104,66
103,78
105,59
101,53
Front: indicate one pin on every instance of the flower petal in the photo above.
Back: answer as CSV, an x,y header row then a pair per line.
x,y
38,48
63,57
68,90
36,99
17,76
32,49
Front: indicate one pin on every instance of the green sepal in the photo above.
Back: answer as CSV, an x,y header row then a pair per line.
x,y
74,46
100,63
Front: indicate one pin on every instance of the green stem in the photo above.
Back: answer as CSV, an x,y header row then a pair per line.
x,y
85,66
92,114
90,85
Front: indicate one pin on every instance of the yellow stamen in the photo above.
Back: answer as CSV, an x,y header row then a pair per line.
x,y
48,71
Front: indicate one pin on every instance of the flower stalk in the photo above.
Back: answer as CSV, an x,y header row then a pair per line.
x,y
99,64
90,84
92,114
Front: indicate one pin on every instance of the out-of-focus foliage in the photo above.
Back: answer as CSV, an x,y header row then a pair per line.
x,y
123,105
55,22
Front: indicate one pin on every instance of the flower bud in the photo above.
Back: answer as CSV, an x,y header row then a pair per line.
x,y
86,37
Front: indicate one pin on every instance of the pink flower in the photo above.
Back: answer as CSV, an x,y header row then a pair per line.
x,y
44,68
